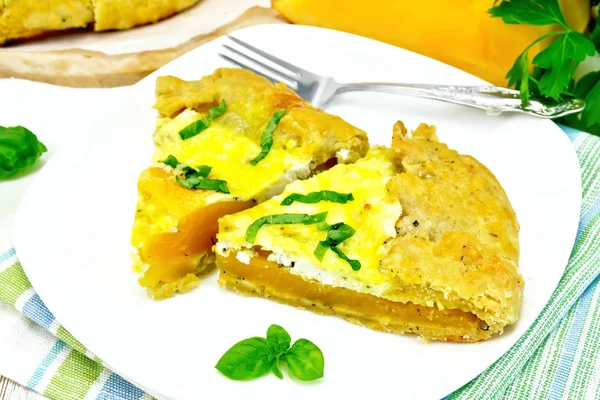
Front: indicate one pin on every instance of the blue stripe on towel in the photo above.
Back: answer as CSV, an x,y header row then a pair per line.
x,y
118,388
36,311
571,344
41,370
8,254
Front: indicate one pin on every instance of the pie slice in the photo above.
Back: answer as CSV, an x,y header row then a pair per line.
x,y
417,238
125,14
21,19
223,144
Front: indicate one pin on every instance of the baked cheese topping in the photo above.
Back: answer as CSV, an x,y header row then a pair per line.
x,y
229,152
373,214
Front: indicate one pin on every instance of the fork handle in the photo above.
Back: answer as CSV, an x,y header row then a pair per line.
x,y
493,99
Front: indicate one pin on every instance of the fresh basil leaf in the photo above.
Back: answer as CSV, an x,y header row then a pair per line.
x,y
217,111
315,197
275,368
278,339
355,264
336,234
530,12
323,226
19,150
198,126
171,161
560,60
339,232
186,183
194,128
282,219
212,184
247,359
321,250
266,140
305,360
196,178
203,170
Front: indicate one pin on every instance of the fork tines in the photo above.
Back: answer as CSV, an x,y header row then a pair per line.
x,y
262,63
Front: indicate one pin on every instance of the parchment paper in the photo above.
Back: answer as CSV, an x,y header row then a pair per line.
x,y
109,59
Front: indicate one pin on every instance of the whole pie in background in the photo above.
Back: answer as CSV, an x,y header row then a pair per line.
x,y
22,19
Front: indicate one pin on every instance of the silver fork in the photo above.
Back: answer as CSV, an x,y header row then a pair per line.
x,y
318,89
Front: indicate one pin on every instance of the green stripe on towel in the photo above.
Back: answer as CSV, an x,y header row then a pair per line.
x,y
13,283
74,377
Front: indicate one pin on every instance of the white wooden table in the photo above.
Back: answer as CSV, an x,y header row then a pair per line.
x,y
10,390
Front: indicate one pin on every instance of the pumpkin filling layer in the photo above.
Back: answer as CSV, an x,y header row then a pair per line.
x,y
417,238
267,279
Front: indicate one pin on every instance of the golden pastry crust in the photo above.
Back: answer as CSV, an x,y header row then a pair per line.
x,y
432,229
22,19
458,234
303,126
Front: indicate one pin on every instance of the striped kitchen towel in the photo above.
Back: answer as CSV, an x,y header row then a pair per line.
x,y
557,358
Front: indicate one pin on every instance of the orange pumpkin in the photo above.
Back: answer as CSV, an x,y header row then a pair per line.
x,y
458,32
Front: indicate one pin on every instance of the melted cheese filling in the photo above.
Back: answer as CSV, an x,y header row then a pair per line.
x,y
229,152
373,214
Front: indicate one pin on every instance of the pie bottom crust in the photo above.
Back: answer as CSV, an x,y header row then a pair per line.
x,y
265,279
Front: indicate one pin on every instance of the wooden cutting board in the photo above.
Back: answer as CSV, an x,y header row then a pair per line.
x,y
88,59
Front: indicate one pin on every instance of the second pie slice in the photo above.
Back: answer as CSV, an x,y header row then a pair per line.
x,y
416,238
223,144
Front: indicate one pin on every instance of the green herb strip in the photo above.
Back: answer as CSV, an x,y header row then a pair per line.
x,y
19,150
196,178
255,357
266,140
198,126
336,234
315,197
354,264
282,219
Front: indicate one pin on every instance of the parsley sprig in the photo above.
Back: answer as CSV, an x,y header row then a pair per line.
x,y
553,67
556,63
255,357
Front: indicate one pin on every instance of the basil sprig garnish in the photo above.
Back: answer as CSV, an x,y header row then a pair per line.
x,y
315,197
19,150
336,234
266,140
282,219
198,126
255,357
196,178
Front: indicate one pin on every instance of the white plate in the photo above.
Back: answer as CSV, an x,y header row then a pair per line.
x,y
73,229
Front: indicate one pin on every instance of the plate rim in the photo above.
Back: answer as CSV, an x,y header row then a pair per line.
x,y
142,83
